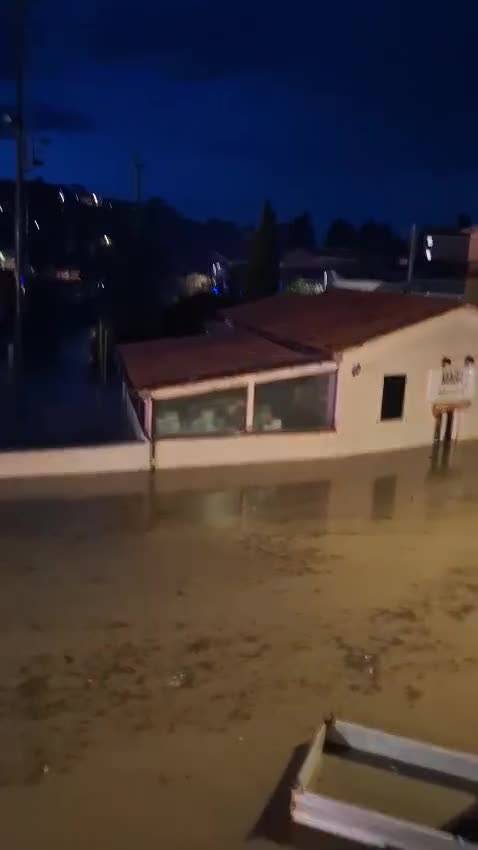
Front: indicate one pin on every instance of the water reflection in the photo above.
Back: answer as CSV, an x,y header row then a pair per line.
x,y
384,497
441,458
399,488
309,500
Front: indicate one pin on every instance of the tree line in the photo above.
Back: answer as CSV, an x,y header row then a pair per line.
x,y
372,239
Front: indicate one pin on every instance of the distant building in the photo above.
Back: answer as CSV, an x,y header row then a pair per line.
x,y
443,287
447,262
449,254
453,248
298,378
300,271
307,272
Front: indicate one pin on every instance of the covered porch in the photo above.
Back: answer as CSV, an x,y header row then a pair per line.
x,y
239,399
261,417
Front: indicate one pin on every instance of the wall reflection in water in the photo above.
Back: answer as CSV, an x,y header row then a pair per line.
x,y
373,488
384,496
399,487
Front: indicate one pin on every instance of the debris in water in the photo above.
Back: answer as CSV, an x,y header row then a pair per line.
x,y
181,679
369,663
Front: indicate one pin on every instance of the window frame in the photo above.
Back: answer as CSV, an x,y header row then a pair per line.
x,y
248,381
196,398
331,377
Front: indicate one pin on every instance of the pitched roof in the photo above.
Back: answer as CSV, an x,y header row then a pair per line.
x,y
165,362
336,320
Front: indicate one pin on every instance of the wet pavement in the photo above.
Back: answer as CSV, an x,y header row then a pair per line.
x,y
168,644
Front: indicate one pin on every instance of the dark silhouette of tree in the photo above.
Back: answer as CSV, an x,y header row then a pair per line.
x,y
341,236
300,233
139,268
379,240
463,220
262,274
190,315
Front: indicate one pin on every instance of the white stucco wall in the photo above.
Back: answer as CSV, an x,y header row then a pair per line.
x,y
85,460
413,352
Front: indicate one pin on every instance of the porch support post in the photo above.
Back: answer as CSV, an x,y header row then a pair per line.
x,y
148,416
332,398
250,406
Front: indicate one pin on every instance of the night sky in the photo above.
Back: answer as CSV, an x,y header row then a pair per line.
x,y
359,109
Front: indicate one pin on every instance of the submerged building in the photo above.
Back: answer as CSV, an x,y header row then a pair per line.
x,y
296,378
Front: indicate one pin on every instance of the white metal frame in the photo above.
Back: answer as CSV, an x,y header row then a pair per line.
x,y
245,380
248,382
367,826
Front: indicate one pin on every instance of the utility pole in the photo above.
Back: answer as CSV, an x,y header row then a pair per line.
x,y
20,175
138,169
412,253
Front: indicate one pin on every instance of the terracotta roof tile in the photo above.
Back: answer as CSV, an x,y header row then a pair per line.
x,y
336,320
165,362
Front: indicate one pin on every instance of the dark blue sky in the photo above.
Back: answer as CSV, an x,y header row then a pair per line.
x,y
349,108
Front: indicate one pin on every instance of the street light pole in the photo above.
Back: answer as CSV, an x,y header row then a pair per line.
x,y
412,254
20,174
138,169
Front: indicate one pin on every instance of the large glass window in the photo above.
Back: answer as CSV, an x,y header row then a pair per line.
x,y
222,412
298,404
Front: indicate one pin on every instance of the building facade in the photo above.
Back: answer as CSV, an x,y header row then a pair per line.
x,y
302,378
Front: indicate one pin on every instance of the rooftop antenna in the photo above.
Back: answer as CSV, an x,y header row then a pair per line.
x,y
412,254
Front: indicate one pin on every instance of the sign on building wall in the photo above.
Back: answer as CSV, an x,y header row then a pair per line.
x,y
451,386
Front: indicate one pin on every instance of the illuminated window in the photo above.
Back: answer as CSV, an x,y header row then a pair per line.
x,y
298,404
222,412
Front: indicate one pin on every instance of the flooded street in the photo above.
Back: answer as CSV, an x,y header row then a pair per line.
x,y
167,647
59,398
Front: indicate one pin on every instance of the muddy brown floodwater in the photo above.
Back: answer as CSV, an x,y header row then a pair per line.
x,y
166,648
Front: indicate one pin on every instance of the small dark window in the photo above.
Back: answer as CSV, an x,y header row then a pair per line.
x,y
393,396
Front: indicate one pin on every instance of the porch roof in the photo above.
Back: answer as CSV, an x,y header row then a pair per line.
x,y
166,362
